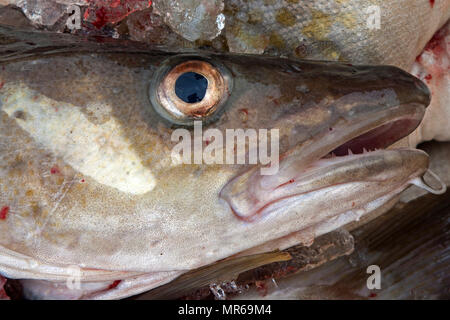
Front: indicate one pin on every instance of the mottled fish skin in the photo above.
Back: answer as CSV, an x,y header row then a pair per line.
x,y
87,176
335,29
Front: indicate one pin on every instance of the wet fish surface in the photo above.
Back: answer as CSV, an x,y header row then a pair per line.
x,y
87,178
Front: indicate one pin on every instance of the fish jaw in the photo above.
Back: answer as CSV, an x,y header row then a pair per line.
x,y
335,186
338,156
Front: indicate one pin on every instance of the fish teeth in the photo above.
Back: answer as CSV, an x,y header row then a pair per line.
x,y
365,150
350,151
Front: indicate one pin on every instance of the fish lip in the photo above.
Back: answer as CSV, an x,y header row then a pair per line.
x,y
415,117
383,117
409,111
338,160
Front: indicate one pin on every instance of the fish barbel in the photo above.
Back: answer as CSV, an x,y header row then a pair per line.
x,y
87,177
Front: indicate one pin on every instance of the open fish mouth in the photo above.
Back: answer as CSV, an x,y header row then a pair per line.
x,y
379,137
349,158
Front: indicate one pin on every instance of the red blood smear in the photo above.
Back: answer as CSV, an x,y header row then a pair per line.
x,y
3,295
101,18
112,11
429,77
372,295
114,284
82,180
1,84
4,213
432,3
286,183
434,45
244,111
55,170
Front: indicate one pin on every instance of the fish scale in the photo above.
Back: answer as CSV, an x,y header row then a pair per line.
x,y
336,30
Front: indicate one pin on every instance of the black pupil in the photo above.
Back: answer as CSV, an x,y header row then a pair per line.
x,y
191,87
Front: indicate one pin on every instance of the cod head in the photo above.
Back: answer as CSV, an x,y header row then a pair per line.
x,y
148,163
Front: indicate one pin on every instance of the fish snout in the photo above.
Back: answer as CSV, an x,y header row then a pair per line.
x,y
335,140
409,88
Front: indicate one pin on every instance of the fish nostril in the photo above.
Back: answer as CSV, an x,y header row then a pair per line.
x,y
191,87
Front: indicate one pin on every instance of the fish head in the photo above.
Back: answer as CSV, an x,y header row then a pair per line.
x,y
90,178
328,114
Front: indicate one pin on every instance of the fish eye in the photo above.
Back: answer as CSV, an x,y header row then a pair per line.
x,y
189,90
191,87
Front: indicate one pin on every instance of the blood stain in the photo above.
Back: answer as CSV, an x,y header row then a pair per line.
x,y
4,212
55,170
434,45
245,111
112,11
114,284
101,18
286,183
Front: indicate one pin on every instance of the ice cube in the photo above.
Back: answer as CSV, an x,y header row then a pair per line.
x,y
146,26
43,12
193,19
